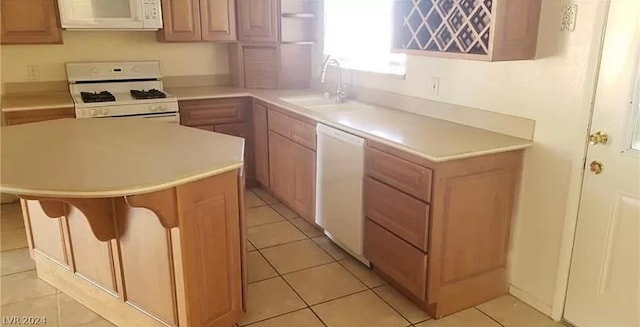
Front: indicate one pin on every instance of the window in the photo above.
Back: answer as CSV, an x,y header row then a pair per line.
x,y
358,33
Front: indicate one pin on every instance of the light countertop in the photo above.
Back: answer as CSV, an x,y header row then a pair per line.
x,y
433,139
34,101
98,158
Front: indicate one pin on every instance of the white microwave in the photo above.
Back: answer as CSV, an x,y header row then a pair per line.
x,y
110,14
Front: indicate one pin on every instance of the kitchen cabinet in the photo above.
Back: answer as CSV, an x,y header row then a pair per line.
x,y
303,185
439,232
280,165
243,130
33,116
275,48
270,66
30,22
198,20
231,116
292,164
489,30
148,273
261,143
258,20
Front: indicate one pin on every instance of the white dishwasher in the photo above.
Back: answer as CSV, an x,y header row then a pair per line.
x,y
339,177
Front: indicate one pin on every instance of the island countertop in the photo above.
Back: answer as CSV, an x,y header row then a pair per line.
x,y
101,158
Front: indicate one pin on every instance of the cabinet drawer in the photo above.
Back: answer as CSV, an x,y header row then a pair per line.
x,y
399,213
34,116
208,112
297,131
401,174
397,259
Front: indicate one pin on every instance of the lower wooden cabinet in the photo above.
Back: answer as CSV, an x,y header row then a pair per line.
x,y
30,22
292,173
280,166
243,130
303,181
34,116
231,116
449,254
187,274
261,143
397,259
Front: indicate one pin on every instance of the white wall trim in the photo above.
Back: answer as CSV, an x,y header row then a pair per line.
x,y
571,218
530,300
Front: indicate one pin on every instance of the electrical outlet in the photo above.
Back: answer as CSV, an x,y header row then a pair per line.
x,y
33,73
435,85
568,20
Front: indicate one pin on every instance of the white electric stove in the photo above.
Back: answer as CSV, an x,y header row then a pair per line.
x,y
121,89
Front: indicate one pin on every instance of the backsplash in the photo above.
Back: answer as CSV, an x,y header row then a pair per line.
x,y
177,59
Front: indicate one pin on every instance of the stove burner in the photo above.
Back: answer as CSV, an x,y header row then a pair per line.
x,y
104,96
151,94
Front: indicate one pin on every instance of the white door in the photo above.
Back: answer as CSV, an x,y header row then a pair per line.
x,y
604,281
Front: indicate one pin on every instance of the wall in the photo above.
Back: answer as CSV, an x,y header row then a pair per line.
x,y
555,90
177,59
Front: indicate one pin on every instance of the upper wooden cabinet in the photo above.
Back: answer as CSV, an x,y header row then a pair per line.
x,y
30,22
218,20
198,20
490,30
258,20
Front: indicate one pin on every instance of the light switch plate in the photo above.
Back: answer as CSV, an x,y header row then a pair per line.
x,y
569,14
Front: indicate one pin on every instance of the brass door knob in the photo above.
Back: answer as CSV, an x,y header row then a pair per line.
x,y
599,138
596,167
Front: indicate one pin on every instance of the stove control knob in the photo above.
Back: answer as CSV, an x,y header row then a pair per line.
x,y
93,112
104,112
162,108
153,108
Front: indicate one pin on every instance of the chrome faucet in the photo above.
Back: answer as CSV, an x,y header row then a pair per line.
x,y
341,94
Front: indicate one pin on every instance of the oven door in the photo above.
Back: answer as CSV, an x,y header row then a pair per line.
x,y
170,117
110,14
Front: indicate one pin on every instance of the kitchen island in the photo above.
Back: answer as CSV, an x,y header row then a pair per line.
x,y
139,220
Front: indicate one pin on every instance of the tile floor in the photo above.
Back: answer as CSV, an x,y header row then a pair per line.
x,y
297,278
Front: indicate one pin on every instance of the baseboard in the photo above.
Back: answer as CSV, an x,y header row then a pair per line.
x,y
530,300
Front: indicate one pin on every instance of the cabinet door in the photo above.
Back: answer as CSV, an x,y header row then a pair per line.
x,y
303,181
46,233
261,143
242,130
280,165
218,20
258,20
260,67
209,221
181,20
30,22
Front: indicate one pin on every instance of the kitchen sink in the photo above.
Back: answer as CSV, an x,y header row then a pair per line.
x,y
322,103
310,101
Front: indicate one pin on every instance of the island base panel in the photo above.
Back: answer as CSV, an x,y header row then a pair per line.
x,y
202,260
